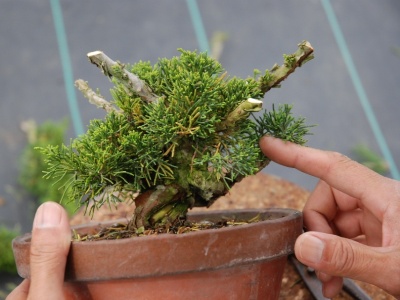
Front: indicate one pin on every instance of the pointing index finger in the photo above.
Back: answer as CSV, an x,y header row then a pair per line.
x,y
337,170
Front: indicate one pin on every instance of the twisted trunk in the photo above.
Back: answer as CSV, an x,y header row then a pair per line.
x,y
162,205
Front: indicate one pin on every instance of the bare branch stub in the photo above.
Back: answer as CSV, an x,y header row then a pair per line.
x,y
93,97
278,73
113,69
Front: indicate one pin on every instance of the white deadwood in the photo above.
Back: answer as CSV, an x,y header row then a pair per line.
x,y
116,70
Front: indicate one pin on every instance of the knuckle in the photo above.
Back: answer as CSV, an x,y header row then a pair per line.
x,y
44,253
337,156
337,159
342,259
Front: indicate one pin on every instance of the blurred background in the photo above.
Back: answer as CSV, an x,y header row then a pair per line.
x,y
350,90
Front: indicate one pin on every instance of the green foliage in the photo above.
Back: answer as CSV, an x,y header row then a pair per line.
x,y
7,263
32,162
289,60
281,124
183,138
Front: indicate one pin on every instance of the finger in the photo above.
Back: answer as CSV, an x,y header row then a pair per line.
x,y
372,227
332,286
335,169
346,224
51,239
391,224
332,211
20,292
328,200
350,224
320,209
341,257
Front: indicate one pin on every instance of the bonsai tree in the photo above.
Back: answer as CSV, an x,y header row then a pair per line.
x,y
180,133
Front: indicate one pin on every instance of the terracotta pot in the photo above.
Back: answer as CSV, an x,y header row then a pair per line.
x,y
240,262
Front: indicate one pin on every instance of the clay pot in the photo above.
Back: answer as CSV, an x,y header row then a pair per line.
x,y
240,262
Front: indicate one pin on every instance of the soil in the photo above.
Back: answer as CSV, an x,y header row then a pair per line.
x,y
258,191
121,230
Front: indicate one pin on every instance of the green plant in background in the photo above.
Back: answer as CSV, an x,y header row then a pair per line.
x,y
7,263
32,162
178,132
370,159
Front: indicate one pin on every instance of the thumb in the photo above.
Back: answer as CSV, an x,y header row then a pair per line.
x,y
51,239
343,257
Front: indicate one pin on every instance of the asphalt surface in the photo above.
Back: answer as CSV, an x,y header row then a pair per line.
x,y
333,91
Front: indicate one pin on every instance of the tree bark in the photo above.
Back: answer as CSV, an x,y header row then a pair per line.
x,y
165,203
278,73
132,82
93,97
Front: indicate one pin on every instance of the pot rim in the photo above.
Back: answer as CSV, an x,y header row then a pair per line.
x,y
215,249
286,215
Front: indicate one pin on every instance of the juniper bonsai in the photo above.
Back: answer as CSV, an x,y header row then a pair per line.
x,y
178,132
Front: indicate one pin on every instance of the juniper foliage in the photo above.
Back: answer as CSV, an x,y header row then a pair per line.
x,y
196,135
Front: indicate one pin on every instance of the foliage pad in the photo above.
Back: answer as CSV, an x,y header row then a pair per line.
x,y
188,132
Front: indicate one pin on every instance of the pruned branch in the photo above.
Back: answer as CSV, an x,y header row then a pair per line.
x,y
241,112
132,83
93,97
278,73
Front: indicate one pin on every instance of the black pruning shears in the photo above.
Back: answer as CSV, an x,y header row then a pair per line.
x,y
314,285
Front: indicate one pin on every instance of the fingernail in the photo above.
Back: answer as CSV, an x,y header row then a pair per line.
x,y
47,215
311,248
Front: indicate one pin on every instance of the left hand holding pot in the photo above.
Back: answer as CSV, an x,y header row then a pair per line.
x,y
51,239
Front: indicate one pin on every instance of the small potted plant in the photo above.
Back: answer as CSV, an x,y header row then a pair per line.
x,y
177,135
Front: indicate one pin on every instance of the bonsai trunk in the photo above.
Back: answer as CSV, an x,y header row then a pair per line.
x,y
159,206
169,204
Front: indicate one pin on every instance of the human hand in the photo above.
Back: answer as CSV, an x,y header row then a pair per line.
x,y
353,216
51,239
